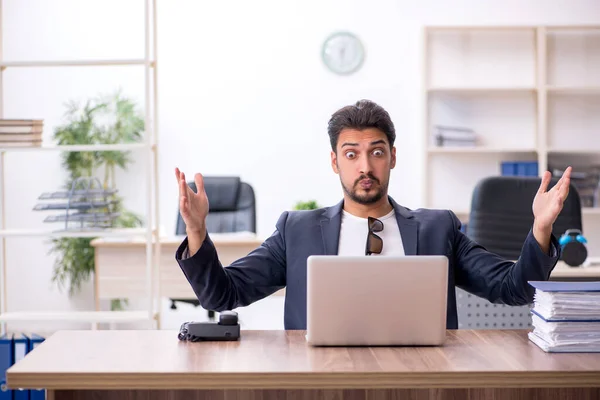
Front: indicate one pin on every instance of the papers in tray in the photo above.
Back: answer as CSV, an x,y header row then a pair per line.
x,y
566,316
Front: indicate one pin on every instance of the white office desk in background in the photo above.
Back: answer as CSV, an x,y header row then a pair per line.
x,y
589,271
120,265
120,271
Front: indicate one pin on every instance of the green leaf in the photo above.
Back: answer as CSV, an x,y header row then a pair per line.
x,y
306,205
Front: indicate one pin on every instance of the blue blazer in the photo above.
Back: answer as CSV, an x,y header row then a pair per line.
x,y
280,261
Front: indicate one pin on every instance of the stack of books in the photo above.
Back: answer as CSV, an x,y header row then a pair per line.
x,y
21,132
586,180
566,316
454,136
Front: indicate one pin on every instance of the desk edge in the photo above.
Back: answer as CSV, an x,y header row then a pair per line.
x,y
305,380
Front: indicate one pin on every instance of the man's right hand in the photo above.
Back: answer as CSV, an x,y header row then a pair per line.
x,y
193,208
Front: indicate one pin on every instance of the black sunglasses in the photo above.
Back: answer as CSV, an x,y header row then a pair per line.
x,y
374,242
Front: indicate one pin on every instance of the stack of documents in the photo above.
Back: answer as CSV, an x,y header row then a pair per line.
x,y
566,316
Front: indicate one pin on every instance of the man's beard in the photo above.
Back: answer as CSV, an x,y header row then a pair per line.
x,y
372,196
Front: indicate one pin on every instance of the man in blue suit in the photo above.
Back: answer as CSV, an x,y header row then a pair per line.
x,y
367,221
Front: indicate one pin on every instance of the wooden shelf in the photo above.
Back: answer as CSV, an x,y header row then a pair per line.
x,y
142,65
477,150
77,316
95,147
589,151
482,90
552,28
528,93
475,28
124,232
583,90
75,63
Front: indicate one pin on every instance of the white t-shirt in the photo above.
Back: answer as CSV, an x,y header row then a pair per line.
x,y
354,231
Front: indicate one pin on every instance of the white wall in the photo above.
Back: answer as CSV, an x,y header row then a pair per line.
x,y
243,92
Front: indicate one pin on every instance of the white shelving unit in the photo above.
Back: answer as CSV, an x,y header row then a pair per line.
x,y
530,93
149,145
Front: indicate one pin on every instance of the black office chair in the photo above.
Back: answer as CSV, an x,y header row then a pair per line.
x,y
232,208
501,214
500,218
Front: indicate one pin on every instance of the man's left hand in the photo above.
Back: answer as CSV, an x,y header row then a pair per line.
x,y
547,204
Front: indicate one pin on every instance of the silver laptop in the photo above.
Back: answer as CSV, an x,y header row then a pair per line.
x,y
376,300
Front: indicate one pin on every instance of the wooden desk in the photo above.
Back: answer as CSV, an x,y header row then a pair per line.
x,y
120,265
563,272
153,364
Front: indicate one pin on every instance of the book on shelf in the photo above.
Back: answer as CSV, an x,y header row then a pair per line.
x,y
566,316
454,136
20,132
585,179
35,143
21,122
20,137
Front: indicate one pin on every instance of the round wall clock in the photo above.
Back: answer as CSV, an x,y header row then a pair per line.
x,y
343,53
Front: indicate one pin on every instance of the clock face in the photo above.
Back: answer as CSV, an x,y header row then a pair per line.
x,y
343,53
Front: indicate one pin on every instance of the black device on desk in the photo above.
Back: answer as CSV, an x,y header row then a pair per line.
x,y
574,251
227,328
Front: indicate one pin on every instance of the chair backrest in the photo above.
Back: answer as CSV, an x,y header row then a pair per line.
x,y
232,206
501,213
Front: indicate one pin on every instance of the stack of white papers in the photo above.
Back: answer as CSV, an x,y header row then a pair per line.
x,y
566,316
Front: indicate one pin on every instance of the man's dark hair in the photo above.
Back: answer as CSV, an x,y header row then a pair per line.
x,y
362,115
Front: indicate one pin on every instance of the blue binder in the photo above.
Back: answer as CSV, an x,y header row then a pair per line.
x,y
6,360
20,344
558,286
519,168
36,394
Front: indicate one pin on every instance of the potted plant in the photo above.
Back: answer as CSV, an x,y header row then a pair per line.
x,y
306,205
103,120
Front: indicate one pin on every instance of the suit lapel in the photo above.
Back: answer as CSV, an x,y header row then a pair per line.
x,y
330,228
408,228
332,220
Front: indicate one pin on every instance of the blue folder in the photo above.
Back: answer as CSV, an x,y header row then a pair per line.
x,y
519,168
34,341
6,360
564,319
20,349
36,394
558,286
